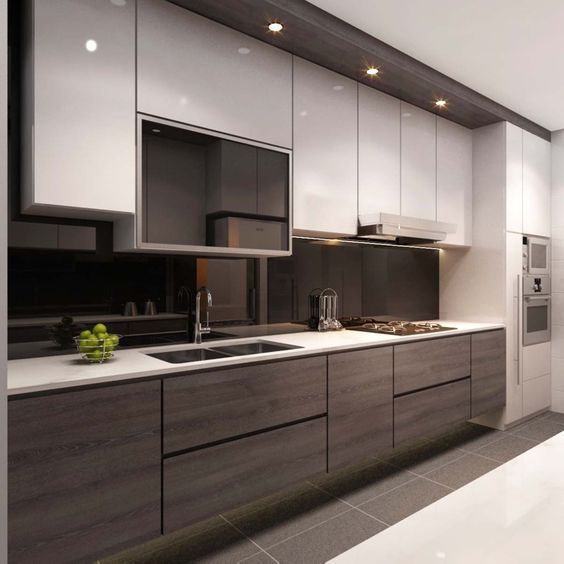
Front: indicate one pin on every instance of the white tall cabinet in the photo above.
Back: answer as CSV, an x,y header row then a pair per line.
x,y
485,282
79,108
325,152
196,71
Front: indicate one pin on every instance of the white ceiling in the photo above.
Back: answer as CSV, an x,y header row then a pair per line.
x,y
509,50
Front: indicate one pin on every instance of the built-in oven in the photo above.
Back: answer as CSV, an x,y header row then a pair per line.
x,y
536,309
536,255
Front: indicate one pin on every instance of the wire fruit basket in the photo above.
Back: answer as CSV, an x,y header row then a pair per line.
x,y
95,349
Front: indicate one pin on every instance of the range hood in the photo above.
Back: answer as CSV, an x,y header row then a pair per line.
x,y
399,228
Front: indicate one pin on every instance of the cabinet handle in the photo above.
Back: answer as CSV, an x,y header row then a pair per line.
x,y
518,330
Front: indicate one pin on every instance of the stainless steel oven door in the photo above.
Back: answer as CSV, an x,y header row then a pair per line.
x,y
536,320
538,255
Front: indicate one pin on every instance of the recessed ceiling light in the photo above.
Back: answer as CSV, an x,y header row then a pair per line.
x,y
155,130
440,103
91,45
275,27
338,87
372,71
243,50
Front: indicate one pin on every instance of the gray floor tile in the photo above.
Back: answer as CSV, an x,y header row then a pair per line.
x,y
210,542
274,519
398,504
470,437
462,471
425,458
361,483
328,540
507,448
538,430
260,558
554,416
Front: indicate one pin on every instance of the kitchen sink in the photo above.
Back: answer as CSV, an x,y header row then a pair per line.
x,y
190,355
256,347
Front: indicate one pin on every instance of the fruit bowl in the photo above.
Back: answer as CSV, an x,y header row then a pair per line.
x,y
96,347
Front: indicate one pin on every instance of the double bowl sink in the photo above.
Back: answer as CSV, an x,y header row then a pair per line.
x,y
244,349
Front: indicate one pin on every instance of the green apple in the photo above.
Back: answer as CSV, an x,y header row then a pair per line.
x,y
85,334
99,328
94,355
115,340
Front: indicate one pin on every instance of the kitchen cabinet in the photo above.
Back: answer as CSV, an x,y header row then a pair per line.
x,y
360,405
202,483
536,378
84,472
379,147
514,178
78,140
428,363
454,180
212,406
196,71
536,185
429,411
418,163
488,371
246,179
30,235
325,152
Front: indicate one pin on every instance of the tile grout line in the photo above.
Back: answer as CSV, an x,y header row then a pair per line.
x,y
261,550
349,504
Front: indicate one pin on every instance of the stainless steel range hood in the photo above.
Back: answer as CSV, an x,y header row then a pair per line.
x,y
391,227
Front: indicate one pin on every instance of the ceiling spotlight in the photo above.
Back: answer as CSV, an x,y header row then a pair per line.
x,y
372,71
91,45
275,27
440,103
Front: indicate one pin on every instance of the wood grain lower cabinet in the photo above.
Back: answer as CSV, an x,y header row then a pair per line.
x,y
211,406
84,472
488,371
432,410
360,405
430,362
205,482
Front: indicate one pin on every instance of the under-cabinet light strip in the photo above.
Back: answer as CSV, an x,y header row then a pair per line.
x,y
359,242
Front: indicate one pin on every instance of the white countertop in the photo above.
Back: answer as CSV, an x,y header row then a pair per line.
x,y
65,371
512,515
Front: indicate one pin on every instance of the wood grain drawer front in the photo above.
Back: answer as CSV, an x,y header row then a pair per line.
x,y
427,363
84,472
203,408
431,410
205,482
488,371
360,411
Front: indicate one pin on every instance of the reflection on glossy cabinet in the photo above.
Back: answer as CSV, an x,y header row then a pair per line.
x,y
198,72
379,186
454,180
418,163
536,185
325,151
78,125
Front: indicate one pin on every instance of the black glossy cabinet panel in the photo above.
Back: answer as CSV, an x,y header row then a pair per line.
x,y
272,185
84,472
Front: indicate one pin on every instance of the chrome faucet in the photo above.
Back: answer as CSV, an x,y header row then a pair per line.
x,y
200,329
185,292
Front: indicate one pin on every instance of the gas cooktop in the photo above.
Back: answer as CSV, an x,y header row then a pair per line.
x,y
399,328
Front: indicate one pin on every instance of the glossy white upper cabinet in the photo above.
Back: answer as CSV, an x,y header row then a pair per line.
x,y
514,178
536,185
379,142
325,151
454,180
79,108
195,71
418,163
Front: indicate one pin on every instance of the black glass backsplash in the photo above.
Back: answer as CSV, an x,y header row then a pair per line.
x,y
380,281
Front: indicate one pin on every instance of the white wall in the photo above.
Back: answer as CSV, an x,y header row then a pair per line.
x,y
558,270
3,288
